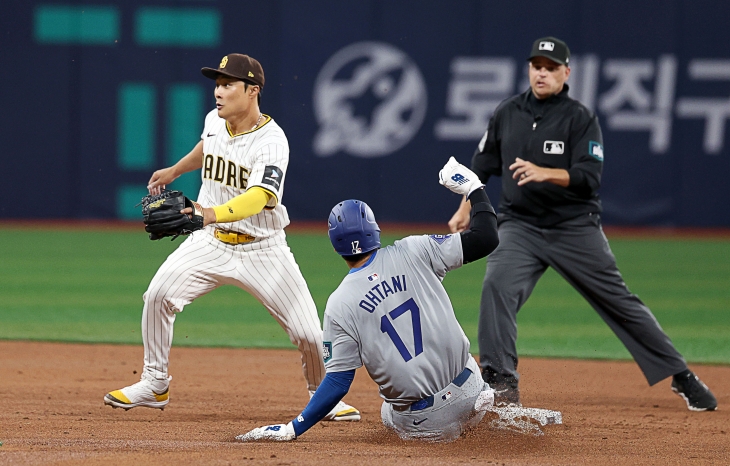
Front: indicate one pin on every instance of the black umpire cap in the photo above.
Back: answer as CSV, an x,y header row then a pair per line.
x,y
552,48
238,66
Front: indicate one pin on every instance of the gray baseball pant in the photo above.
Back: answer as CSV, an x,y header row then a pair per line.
x,y
453,412
579,251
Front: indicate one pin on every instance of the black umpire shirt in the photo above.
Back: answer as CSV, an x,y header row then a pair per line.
x,y
557,132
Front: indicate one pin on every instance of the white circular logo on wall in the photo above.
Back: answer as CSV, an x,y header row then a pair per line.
x,y
369,101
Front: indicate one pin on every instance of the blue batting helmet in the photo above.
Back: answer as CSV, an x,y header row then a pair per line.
x,y
352,228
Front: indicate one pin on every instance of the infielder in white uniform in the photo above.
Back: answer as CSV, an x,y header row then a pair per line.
x,y
243,155
392,314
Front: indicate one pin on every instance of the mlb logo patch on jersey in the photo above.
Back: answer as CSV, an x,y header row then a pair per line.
x,y
326,350
439,238
373,277
446,396
272,176
595,149
554,147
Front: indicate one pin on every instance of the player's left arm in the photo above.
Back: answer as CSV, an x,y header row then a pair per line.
x,y
242,206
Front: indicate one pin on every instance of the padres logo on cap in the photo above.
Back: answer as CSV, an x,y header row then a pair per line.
x,y
250,75
224,62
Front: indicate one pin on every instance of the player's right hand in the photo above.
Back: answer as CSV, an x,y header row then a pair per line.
x,y
276,432
160,179
458,178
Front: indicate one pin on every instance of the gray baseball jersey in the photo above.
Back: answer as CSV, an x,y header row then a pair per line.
x,y
393,316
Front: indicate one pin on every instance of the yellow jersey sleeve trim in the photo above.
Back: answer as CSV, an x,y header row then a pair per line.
x,y
243,206
267,119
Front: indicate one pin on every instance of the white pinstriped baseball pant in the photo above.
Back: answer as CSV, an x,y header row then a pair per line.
x,y
266,269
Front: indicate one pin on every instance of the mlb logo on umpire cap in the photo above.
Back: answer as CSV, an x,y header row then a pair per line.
x,y
552,48
546,45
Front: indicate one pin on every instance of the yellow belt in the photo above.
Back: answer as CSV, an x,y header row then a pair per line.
x,y
231,237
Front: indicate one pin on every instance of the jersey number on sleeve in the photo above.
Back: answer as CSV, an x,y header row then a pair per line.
x,y
387,327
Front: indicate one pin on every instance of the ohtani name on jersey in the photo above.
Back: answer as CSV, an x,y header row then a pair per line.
x,y
224,171
381,291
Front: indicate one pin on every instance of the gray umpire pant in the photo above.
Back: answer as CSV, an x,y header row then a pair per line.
x,y
578,250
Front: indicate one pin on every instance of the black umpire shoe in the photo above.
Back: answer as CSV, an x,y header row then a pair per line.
x,y
698,397
506,388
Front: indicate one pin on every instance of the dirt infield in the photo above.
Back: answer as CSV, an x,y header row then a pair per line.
x,y
52,413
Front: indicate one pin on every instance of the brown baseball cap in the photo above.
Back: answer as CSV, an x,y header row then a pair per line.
x,y
236,65
552,48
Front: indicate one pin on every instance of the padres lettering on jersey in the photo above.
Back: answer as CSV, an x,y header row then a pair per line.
x,y
233,163
218,169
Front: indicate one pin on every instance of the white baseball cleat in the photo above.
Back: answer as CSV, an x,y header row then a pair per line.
x,y
343,412
148,392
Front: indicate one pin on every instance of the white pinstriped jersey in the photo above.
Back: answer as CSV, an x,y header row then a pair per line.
x,y
234,163
265,268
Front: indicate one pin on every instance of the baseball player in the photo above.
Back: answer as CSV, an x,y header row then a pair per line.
x,y
392,314
243,155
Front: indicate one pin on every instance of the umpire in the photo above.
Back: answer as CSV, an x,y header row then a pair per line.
x,y
548,149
